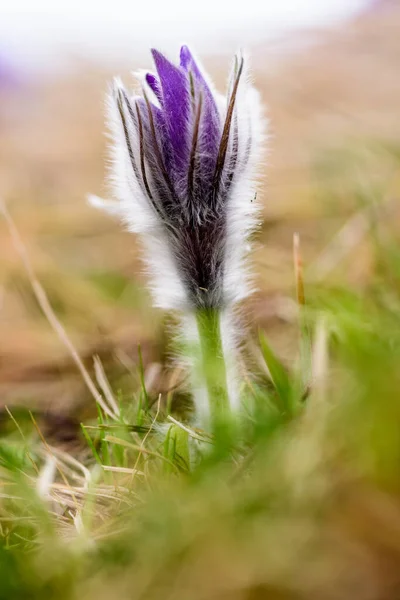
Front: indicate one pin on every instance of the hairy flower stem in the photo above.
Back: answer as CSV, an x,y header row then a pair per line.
x,y
213,368
181,167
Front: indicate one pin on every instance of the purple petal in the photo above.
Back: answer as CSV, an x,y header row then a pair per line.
x,y
186,57
211,127
189,64
176,105
154,85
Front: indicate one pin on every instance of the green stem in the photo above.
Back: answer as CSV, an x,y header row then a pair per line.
x,y
213,366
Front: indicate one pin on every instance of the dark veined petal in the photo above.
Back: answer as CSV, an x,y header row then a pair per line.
x,y
227,137
156,155
210,129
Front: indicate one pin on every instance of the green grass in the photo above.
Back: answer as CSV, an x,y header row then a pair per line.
x,y
301,504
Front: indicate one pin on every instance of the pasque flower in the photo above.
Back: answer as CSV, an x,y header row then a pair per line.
x,y
182,161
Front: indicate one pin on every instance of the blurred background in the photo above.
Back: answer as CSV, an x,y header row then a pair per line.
x,y
328,75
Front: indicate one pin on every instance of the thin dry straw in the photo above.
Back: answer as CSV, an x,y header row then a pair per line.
x,y
320,359
305,338
201,438
298,269
51,452
49,313
104,385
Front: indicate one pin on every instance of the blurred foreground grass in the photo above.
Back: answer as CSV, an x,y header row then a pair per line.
x,y
306,505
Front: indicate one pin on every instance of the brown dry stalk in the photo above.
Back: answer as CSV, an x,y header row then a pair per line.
x,y
298,269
